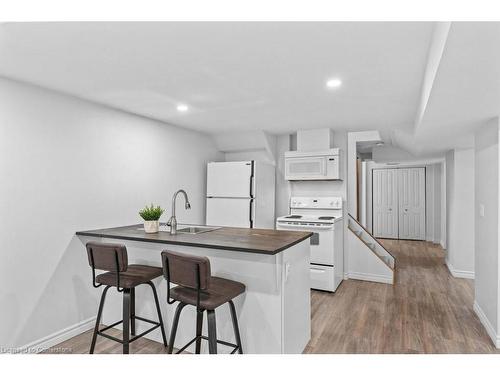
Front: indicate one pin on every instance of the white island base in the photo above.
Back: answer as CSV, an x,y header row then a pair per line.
x,y
273,314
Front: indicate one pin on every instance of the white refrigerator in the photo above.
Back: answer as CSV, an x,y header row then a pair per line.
x,y
240,194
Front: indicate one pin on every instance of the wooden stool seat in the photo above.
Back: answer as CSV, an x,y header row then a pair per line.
x,y
219,292
136,274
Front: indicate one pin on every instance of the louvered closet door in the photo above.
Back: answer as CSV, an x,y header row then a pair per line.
x,y
385,203
412,203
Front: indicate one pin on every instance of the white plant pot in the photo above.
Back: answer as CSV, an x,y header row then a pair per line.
x,y
151,226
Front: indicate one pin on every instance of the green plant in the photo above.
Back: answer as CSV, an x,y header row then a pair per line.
x,y
151,213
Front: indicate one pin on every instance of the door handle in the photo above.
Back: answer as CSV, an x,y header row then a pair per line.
x,y
317,270
287,271
250,213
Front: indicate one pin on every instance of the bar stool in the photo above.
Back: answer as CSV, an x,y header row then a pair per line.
x,y
113,258
196,287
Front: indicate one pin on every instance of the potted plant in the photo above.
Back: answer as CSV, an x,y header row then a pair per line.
x,y
151,216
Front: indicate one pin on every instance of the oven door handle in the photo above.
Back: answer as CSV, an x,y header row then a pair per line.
x,y
311,228
317,270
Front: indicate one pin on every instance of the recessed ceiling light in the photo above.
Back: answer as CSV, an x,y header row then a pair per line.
x,y
182,108
333,83
379,144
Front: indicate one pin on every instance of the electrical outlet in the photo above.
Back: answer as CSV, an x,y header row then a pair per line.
x,y
481,209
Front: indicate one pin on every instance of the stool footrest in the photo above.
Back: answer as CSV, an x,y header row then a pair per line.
x,y
111,326
236,347
155,325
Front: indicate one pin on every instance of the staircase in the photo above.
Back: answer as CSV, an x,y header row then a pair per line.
x,y
371,261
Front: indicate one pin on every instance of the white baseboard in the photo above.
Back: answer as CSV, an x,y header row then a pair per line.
x,y
487,325
57,337
370,277
460,273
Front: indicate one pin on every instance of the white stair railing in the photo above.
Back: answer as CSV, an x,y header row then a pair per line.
x,y
371,242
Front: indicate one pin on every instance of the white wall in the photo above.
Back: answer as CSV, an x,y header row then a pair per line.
x,y
429,203
69,165
444,206
437,238
433,202
389,153
487,226
351,153
459,217
283,187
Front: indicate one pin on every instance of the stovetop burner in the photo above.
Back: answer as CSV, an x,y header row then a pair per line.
x,y
326,217
294,217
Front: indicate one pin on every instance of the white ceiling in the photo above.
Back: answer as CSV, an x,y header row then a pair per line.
x,y
238,77
466,91
233,76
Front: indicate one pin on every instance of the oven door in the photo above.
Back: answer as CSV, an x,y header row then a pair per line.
x,y
321,241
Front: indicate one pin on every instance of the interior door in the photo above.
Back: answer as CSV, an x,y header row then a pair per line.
x,y
230,212
412,203
385,203
230,179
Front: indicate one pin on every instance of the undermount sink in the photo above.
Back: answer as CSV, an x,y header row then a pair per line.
x,y
196,230
186,228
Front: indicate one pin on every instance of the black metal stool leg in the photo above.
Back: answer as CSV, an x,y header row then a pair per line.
x,y
126,320
178,310
235,326
199,327
132,311
160,320
98,319
212,332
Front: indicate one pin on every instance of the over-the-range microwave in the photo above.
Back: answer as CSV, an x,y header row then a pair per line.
x,y
313,165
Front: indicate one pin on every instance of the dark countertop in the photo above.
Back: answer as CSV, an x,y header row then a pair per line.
x,y
262,241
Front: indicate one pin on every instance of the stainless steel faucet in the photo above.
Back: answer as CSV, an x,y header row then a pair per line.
x,y
172,222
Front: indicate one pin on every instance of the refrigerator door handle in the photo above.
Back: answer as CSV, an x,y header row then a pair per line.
x,y
252,174
251,213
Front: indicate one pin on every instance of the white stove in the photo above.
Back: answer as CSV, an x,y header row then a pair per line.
x,y
323,217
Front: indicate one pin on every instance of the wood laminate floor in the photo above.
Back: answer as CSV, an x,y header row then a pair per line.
x,y
426,311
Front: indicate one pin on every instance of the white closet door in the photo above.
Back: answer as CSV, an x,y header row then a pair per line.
x,y
412,203
385,203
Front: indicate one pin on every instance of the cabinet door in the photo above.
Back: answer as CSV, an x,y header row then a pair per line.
x,y
412,203
385,203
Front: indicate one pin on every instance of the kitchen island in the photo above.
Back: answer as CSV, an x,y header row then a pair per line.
x,y
273,313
